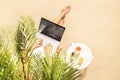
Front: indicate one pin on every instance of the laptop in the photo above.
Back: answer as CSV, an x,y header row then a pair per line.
x,y
50,32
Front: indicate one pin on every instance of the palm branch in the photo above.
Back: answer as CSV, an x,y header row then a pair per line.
x,y
16,50
53,68
8,66
25,38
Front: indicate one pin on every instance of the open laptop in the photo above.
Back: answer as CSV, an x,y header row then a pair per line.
x,y
50,33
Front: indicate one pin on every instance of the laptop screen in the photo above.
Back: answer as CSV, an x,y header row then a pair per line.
x,y
51,29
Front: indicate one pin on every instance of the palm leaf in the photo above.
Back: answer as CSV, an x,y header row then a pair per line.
x,y
26,35
54,68
8,68
25,38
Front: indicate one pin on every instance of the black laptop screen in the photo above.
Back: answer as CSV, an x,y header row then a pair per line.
x,y
51,29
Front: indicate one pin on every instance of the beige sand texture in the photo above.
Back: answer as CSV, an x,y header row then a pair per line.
x,y
93,22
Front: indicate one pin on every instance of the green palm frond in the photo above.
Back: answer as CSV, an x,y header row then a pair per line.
x,y
8,68
54,68
26,35
25,38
